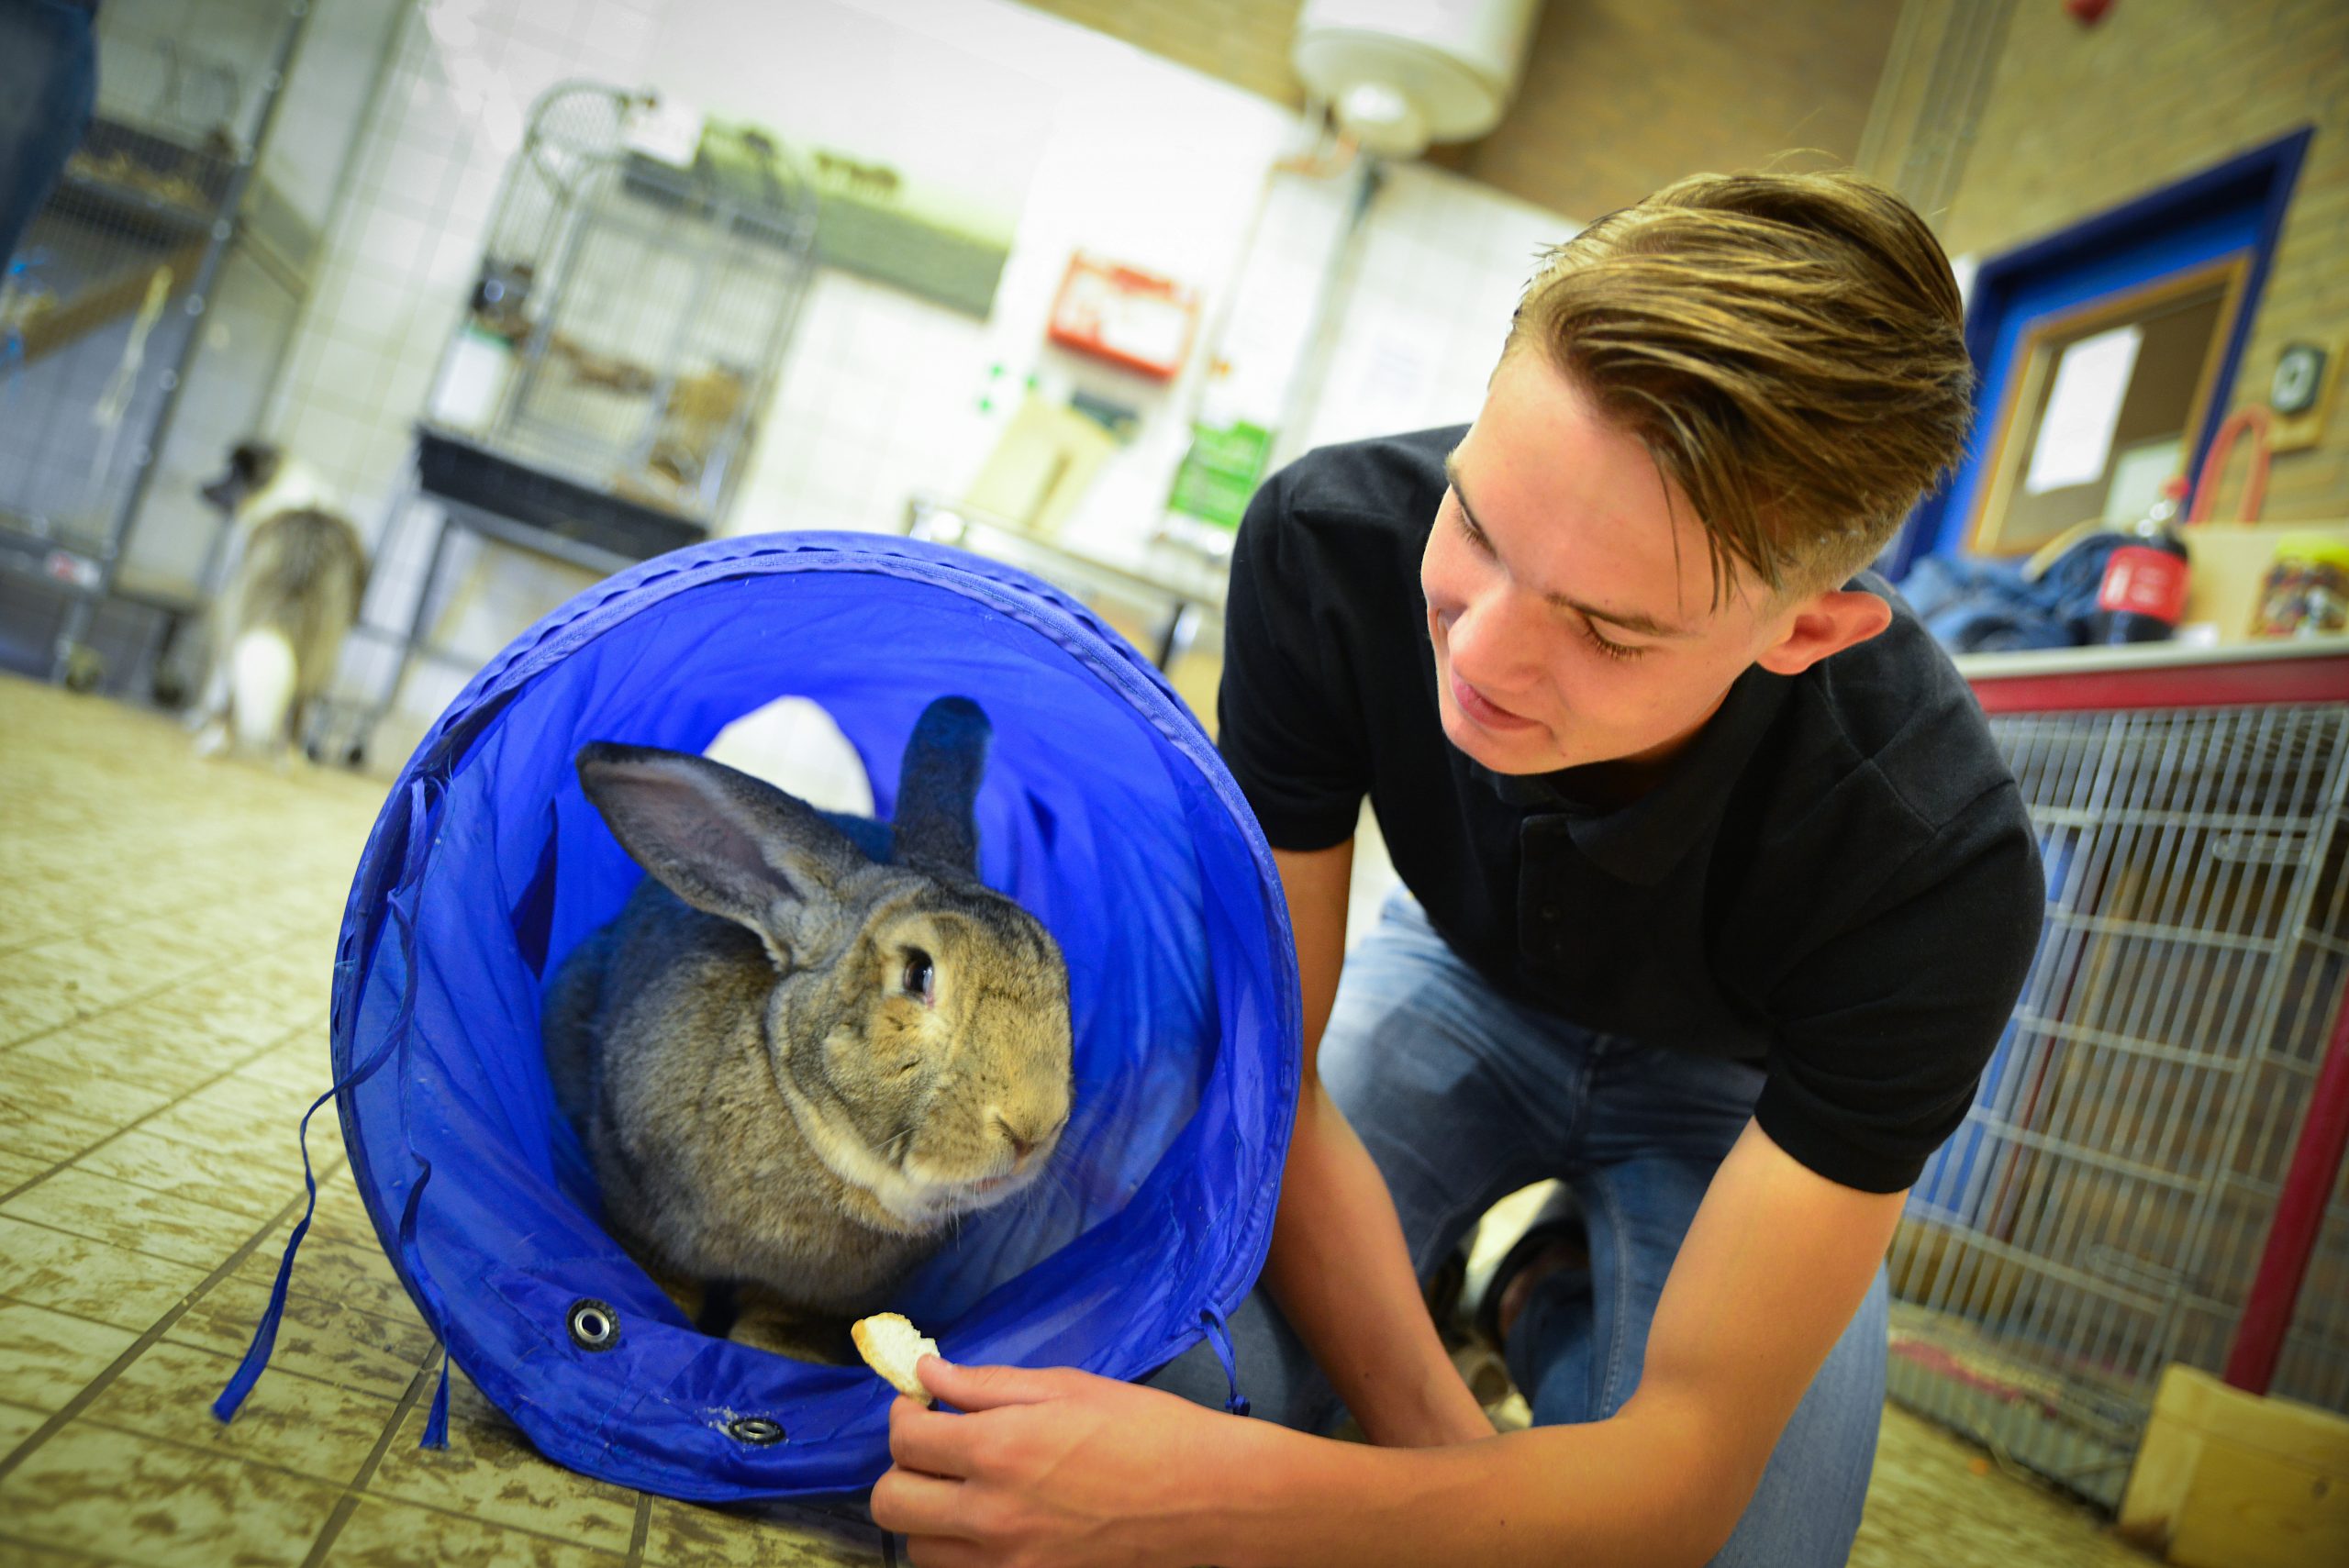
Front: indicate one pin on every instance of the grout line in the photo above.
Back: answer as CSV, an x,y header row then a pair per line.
x,y
121,1364
348,1504
227,1072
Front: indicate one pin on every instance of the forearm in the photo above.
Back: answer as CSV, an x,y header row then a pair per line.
x,y
1343,1274
1641,1490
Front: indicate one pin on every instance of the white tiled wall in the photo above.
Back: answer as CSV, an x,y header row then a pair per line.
x,y
881,393
1441,265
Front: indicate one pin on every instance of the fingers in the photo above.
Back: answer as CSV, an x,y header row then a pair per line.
x,y
931,1440
986,1387
907,1503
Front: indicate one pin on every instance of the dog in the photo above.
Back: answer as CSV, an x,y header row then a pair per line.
x,y
298,571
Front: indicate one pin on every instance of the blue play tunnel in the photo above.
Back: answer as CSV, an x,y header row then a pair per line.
x,y
1105,811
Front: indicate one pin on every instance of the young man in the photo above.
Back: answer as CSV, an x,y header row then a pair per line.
x,y
1722,897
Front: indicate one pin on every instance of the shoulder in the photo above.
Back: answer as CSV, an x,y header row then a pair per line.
x,y
1894,715
1890,790
1382,475
1384,488
1347,520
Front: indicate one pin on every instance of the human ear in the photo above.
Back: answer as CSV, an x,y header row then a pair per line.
x,y
1824,624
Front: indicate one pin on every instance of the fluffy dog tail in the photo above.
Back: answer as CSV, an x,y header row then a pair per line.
x,y
261,672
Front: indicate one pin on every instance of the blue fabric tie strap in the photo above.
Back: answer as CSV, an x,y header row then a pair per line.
x,y
436,1425
264,1339
1219,1340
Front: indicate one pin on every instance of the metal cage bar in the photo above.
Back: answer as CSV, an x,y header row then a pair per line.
x,y
2099,1213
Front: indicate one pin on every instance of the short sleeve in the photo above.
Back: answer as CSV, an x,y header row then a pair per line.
x,y
1882,1033
1289,731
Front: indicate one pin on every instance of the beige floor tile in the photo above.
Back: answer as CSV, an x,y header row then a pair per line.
x,y
50,1136
225,1180
323,1340
95,1489
685,1536
47,1358
132,1217
1937,1499
342,1216
16,1168
45,1082
172,942
26,1011
206,1121
150,1032
133,1045
68,979
296,1423
328,1269
272,1105
189,1025
300,1064
25,1555
90,1279
17,1422
491,1472
383,1534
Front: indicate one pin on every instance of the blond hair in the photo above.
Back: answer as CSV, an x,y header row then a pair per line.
x,y
1788,347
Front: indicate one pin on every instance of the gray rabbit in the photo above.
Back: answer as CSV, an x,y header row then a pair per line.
x,y
809,1043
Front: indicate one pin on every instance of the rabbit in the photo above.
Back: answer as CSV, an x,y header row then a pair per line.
x,y
809,1044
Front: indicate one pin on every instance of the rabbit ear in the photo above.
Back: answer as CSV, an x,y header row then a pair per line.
x,y
721,840
945,758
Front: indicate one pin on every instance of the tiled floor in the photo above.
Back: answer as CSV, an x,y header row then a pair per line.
x,y
165,929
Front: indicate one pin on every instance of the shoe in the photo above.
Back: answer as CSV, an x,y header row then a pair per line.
x,y
1491,1296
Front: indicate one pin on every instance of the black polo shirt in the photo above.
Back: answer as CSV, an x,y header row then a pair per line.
x,y
1835,878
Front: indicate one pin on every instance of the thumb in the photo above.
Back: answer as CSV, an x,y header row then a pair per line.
x,y
972,1388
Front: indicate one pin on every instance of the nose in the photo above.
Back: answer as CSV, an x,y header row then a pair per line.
x,y
1486,645
1021,1146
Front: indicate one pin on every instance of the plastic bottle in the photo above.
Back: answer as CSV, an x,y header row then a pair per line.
x,y
2143,592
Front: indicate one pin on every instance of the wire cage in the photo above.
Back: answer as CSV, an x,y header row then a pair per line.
x,y
157,223
632,305
2102,1211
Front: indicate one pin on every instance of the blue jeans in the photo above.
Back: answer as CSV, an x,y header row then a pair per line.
x,y
49,86
1462,1097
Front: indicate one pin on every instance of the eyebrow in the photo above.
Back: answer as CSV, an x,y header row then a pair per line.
x,y
1637,622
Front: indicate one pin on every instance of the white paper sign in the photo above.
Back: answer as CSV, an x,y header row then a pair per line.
x,y
2076,433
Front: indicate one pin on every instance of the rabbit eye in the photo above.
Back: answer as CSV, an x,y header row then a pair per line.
x,y
919,973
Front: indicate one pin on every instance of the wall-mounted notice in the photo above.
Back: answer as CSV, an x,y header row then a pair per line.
x,y
2076,432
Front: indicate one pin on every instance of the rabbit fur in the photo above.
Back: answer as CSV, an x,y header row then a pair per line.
x,y
809,1043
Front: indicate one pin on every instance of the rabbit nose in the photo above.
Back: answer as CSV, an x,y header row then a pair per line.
x,y
1020,1147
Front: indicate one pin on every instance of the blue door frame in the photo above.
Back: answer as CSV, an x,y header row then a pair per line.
x,y
2236,207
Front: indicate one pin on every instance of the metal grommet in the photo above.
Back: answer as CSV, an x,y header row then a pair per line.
x,y
754,1430
593,1324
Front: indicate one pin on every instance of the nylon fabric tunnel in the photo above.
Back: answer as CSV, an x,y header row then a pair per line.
x,y
1105,811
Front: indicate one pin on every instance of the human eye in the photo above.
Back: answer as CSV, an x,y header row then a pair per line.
x,y
1607,646
1468,529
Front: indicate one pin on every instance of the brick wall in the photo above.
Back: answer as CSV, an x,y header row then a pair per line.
x,y
2075,120
2009,119
1619,96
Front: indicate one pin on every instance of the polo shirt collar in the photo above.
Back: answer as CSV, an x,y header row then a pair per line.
x,y
1640,842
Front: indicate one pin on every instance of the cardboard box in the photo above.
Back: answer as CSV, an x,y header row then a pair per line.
x,y
2225,1479
2230,562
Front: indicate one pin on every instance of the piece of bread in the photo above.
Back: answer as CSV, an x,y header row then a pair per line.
x,y
892,1346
